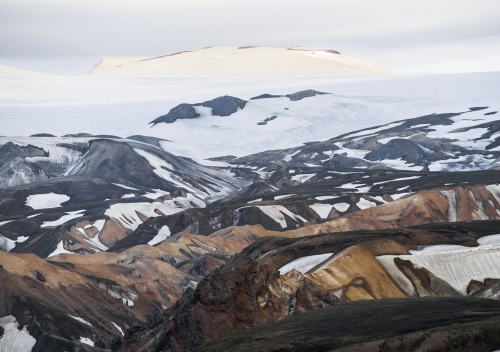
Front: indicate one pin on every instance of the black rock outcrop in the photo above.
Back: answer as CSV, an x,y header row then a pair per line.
x,y
224,106
182,111
221,106
399,149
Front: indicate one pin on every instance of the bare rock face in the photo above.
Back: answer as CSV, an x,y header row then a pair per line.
x,y
228,300
112,161
249,291
181,111
221,106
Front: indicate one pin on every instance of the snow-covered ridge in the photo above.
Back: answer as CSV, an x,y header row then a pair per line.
x,y
239,62
304,264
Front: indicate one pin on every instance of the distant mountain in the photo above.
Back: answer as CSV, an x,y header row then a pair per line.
x,y
244,61
12,71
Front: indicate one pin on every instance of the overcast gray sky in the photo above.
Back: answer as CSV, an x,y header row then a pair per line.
x,y
407,36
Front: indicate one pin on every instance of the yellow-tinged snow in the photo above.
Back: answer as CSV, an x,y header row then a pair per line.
x,y
110,62
12,71
226,61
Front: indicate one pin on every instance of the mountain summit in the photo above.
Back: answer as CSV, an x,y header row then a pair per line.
x,y
242,61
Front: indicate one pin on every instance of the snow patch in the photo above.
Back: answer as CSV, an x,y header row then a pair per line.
x,y
46,200
63,219
59,250
118,328
365,204
5,222
326,197
341,206
81,320
304,264
126,187
284,196
86,341
13,339
162,235
458,265
321,209
6,243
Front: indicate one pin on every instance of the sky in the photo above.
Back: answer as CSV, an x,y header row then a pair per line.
x,y
404,36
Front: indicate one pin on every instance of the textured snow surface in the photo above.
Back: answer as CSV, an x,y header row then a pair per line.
x,y
162,235
458,265
63,219
126,105
46,200
304,264
15,340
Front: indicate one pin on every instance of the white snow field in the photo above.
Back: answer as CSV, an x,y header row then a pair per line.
x,y
304,264
15,340
46,200
124,106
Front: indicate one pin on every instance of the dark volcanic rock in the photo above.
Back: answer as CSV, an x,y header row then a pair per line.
x,y
10,150
266,96
399,149
42,135
224,106
439,324
182,111
293,97
77,135
14,170
304,94
117,162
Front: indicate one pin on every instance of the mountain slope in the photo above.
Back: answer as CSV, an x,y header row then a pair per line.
x,y
241,62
